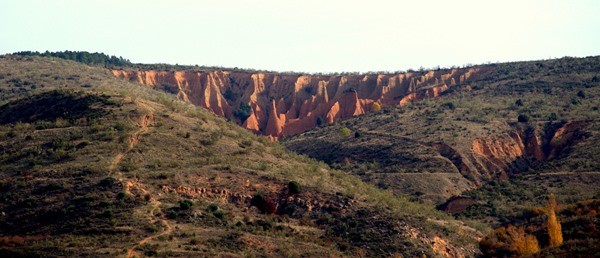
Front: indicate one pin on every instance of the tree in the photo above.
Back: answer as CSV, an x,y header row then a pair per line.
x,y
509,241
82,57
554,227
243,112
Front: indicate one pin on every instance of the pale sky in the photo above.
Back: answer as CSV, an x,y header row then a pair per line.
x,y
307,35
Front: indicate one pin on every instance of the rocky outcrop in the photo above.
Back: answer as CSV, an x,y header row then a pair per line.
x,y
499,156
457,204
502,155
285,104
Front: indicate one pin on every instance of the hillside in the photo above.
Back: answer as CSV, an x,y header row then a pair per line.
x,y
521,117
92,165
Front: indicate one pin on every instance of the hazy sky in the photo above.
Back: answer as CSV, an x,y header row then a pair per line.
x,y
307,35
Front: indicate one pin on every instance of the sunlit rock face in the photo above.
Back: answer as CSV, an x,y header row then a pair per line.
x,y
286,104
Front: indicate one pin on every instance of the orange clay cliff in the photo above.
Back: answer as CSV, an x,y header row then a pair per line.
x,y
283,104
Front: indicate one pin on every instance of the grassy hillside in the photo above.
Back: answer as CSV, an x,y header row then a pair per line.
x,y
95,166
427,148
504,142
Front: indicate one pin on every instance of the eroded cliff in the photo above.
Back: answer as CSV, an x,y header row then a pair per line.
x,y
283,104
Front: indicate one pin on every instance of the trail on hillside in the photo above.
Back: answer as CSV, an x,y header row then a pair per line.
x,y
566,173
152,217
134,139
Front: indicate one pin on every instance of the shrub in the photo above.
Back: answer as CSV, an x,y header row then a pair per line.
x,y
212,138
449,105
552,117
319,121
243,112
376,107
519,103
357,134
185,204
263,205
344,131
212,207
245,143
575,101
121,196
219,214
581,94
172,214
294,187
508,242
523,118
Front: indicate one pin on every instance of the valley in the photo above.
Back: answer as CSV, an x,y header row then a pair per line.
x,y
151,160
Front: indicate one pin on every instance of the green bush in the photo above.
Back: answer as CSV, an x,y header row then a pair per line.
x,y
245,143
319,121
449,105
294,187
212,207
243,112
219,214
523,118
212,138
344,131
519,103
263,205
357,134
172,214
185,204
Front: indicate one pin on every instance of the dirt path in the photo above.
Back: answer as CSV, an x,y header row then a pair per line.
x,y
134,139
564,173
168,230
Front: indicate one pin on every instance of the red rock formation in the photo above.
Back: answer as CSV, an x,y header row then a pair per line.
x,y
285,104
498,156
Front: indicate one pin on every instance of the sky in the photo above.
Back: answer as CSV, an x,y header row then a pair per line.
x,y
307,35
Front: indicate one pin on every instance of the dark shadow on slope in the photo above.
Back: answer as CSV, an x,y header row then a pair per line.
x,y
52,105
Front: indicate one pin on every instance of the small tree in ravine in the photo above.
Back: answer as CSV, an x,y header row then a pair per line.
x,y
243,112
